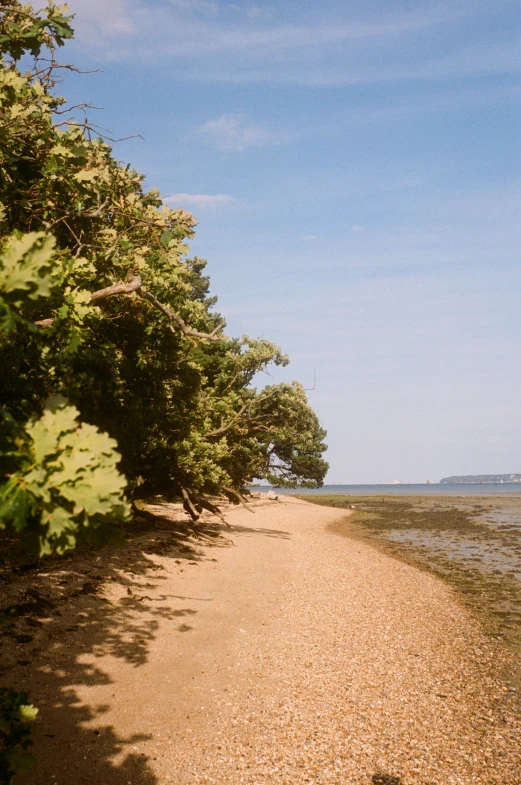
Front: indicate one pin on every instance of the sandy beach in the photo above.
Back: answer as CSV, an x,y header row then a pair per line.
x,y
277,652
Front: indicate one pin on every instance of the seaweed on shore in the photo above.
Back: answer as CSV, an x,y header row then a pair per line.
x,y
472,544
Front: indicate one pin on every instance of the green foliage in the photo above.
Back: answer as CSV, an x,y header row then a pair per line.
x,y
22,30
101,305
150,366
25,274
67,481
16,715
60,477
477,478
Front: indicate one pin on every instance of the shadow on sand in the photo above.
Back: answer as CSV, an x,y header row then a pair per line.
x,y
276,533
60,616
62,622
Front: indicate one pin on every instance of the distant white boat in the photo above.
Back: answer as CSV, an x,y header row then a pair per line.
x,y
394,482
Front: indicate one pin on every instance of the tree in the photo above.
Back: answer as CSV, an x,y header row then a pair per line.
x,y
61,476
127,333
116,379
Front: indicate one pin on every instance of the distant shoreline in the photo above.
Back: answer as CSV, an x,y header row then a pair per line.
x,y
491,479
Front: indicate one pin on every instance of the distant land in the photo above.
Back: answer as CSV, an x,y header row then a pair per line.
x,y
481,478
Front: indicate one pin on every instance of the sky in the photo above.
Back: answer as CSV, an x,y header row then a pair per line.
x,y
354,170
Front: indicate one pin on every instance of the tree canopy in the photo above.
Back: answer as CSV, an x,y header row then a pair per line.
x,y
117,381
102,305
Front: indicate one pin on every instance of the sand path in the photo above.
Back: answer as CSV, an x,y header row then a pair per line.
x,y
294,656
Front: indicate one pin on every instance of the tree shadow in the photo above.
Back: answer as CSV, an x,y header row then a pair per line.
x,y
100,602
277,533
68,613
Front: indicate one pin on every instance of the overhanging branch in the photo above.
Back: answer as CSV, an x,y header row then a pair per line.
x,y
136,285
255,422
174,317
224,428
237,495
188,505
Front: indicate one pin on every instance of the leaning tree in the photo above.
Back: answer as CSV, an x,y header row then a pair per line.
x,y
118,319
117,380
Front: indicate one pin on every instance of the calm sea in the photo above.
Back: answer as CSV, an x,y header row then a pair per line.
x,y
463,489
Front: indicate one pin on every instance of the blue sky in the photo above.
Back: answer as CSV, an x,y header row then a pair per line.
x,y
354,168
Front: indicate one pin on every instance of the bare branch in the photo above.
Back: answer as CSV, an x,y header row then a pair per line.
x,y
224,428
102,294
174,317
93,213
52,66
211,507
95,129
80,214
135,285
81,106
119,288
238,496
44,322
189,506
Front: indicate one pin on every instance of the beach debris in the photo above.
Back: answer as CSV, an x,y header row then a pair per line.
x,y
272,496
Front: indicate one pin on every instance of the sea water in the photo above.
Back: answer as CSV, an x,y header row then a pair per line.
x,y
423,489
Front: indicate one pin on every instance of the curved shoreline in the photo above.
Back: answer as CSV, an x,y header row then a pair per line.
x,y
458,557
290,658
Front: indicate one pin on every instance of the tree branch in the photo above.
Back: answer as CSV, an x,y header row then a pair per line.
x,y
102,294
77,106
211,507
53,65
33,17
80,214
238,496
135,285
224,428
188,505
95,130
120,288
174,317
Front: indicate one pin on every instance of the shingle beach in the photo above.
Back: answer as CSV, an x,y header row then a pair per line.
x,y
286,655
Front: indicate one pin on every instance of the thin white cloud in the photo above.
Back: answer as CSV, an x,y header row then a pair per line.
x,y
208,40
450,100
195,5
230,132
362,66
201,201
233,27
95,18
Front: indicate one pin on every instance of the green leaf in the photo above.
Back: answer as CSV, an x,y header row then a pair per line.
x,y
27,712
46,431
72,481
26,264
86,175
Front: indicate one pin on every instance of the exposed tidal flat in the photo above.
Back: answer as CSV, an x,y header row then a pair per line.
x,y
472,542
